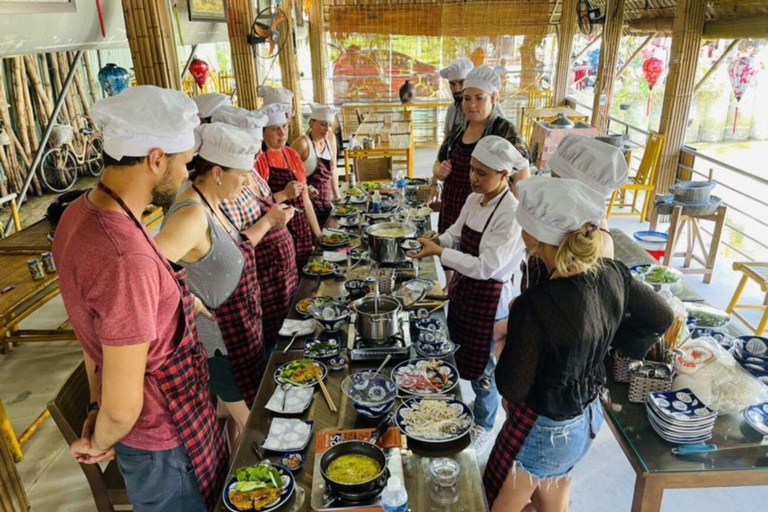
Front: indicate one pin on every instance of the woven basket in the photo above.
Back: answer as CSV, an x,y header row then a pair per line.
x,y
640,386
61,134
621,368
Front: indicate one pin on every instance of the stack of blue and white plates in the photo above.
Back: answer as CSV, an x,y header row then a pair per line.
x,y
680,417
751,352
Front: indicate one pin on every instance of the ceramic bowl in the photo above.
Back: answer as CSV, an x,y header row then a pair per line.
x,y
330,318
372,394
429,324
293,461
356,288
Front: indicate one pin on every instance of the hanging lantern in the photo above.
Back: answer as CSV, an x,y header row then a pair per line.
x,y
593,57
741,71
199,71
477,56
113,79
652,69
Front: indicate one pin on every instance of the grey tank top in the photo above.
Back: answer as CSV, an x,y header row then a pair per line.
x,y
310,164
213,277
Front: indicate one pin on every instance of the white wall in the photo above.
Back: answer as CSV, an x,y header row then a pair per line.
x,y
40,33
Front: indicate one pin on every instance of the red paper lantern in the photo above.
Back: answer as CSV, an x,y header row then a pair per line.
x,y
199,71
652,69
741,72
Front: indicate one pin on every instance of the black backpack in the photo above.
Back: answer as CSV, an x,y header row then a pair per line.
x,y
56,208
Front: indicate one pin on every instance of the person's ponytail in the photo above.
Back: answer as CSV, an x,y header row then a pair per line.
x,y
579,251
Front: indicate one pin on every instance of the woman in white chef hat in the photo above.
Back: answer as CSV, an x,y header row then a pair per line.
x,y
317,148
208,103
551,365
479,99
601,167
484,248
221,266
456,73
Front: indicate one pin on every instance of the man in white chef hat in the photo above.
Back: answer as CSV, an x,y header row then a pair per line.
x,y
150,403
455,74
208,103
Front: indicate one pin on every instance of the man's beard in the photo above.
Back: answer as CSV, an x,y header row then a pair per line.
x,y
457,97
164,193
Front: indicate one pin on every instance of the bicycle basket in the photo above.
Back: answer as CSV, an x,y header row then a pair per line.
x,y
60,135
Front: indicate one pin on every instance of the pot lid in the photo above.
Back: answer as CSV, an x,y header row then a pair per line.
x,y
562,122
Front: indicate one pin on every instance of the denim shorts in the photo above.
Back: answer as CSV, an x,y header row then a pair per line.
x,y
553,448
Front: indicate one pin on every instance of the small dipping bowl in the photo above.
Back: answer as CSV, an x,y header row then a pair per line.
x,y
356,288
435,338
429,324
293,461
445,472
337,363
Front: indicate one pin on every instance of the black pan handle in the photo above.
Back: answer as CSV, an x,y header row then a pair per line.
x,y
382,428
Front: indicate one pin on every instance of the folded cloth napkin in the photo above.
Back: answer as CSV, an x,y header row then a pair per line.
x,y
301,327
296,402
287,435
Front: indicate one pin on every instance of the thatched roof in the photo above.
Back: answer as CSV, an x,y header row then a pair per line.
x,y
497,17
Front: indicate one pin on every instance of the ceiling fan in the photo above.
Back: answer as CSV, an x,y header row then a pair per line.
x,y
269,27
588,16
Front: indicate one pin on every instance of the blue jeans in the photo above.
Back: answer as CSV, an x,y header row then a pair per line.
x,y
553,448
160,481
486,395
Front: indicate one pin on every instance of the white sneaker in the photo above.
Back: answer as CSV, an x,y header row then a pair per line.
x,y
480,437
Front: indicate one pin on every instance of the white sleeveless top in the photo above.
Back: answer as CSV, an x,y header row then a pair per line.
x,y
310,164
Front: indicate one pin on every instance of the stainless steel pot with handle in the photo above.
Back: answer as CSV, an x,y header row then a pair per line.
x,y
384,240
377,326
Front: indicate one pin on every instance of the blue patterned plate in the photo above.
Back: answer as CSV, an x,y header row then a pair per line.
x,y
757,417
454,420
289,485
425,376
682,405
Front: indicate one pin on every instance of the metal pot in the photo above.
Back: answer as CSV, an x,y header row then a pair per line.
x,y
377,326
350,448
387,248
614,139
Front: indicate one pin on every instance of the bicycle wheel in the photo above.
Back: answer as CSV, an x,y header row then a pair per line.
x,y
94,159
58,169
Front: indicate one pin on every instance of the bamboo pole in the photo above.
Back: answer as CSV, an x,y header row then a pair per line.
x,y
12,168
719,62
564,50
317,51
290,71
586,48
4,182
69,99
31,64
678,92
241,15
606,69
528,65
152,42
92,85
20,108
85,105
64,114
636,53
31,126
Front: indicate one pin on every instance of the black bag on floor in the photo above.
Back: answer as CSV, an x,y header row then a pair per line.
x,y
56,208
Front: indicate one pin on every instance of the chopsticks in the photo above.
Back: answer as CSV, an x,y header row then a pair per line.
x,y
327,396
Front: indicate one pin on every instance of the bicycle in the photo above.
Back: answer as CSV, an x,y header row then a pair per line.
x,y
60,165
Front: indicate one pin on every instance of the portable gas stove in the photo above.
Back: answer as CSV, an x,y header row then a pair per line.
x,y
398,346
402,270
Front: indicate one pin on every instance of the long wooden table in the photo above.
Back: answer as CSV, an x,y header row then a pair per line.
x,y
655,467
416,459
394,140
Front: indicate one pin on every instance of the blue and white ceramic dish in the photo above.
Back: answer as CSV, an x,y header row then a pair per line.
x,y
682,405
293,461
757,417
432,337
372,394
461,421
429,324
356,288
441,350
330,317
288,435
289,485
320,348
754,346
337,363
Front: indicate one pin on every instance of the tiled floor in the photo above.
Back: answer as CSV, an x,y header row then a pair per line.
x,y
31,375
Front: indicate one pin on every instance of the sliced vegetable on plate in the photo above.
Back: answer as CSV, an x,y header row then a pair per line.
x,y
320,268
302,372
302,307
262,487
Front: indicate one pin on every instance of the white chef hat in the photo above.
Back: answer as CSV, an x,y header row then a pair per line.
x,y
209,102
499,154
146,117
457,70
550,209
325,113
225,145
252,123
274,95
277,113
483,77
598,165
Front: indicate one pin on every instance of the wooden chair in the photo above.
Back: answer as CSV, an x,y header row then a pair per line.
x,y
643,181
758,272
373,169
68,410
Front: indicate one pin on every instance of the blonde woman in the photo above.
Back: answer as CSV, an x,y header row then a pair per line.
x,y
570,321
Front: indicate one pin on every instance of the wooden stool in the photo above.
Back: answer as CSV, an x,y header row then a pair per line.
x,y
758,272
708,255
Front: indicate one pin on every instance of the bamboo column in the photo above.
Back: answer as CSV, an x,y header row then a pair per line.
x,y
86,107
241,15
564,50
31,63
317,51
93,87
10,158
606,68
290,70
678,92
152,43
528,58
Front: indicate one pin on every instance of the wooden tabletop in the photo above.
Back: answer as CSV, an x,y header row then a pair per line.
x,y
33,239
416,460
372,128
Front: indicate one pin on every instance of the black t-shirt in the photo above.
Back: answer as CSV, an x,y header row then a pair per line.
x,y
561,329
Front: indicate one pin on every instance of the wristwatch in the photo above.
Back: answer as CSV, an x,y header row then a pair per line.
x,y
93,406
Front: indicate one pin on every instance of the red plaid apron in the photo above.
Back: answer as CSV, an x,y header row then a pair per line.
x,y
239,319
533,272
278,276
456,188
520,422
321,180
472,309
299,225
183,381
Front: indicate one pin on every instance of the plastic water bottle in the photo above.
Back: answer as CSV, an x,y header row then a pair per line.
x,y
394,498
400,181
666,292
376,202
